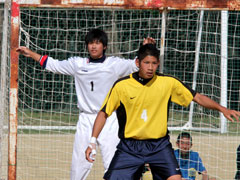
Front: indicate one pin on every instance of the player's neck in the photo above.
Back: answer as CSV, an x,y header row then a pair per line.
x,y
184,155
98,60
141,79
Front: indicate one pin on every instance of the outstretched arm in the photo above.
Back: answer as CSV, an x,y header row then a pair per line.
x,y
97,128
210,104
28,53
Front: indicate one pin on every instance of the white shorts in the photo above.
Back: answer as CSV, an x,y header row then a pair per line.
x,y
107,142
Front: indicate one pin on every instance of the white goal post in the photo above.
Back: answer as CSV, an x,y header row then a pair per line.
x,y
199,44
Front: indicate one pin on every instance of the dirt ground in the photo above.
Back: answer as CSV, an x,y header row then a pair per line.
x,y
48,157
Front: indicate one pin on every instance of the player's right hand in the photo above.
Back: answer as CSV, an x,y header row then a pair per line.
x,y
91,150
28,53
24,51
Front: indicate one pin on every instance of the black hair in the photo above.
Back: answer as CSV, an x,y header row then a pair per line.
x,y
184,135
96,34
148,50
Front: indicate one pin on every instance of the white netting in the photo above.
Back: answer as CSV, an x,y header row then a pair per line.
x,y
47,102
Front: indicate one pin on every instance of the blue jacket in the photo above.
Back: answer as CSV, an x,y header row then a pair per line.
x,y
189,167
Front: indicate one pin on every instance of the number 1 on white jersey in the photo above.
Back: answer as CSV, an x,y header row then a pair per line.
x,y
91,85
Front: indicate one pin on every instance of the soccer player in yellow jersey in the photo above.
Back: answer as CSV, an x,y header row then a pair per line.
x,y
141,101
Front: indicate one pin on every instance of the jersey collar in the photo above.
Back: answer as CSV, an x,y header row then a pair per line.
x,y
140,79
184,156
99,60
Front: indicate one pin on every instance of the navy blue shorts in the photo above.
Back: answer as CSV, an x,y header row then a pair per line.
x,y
131,156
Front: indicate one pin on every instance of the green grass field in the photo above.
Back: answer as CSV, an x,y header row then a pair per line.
x,y
46,154
48,157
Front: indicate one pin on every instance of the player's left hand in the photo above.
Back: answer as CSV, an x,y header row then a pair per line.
x,y
149,40
230,114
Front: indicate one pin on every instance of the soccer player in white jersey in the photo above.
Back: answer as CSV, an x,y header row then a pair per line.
x,y
93,76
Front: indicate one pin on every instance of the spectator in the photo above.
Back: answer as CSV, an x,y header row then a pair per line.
x,y
237,176
189,161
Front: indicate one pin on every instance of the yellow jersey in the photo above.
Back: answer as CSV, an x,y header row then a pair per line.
x,y
142,105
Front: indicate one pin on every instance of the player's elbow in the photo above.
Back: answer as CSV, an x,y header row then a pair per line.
x,y
103,114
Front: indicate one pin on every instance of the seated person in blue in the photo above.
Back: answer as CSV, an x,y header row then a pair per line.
x,y
189,161
237,176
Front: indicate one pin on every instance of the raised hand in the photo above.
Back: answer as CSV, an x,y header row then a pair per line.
x,y
149,40
28,53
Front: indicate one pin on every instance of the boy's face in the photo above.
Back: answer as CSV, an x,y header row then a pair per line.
x,y
95,49
147,67
184,145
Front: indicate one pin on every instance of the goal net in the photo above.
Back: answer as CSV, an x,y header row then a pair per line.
x,y
47,109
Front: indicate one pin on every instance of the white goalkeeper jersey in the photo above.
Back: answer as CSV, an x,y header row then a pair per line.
x,y
92,80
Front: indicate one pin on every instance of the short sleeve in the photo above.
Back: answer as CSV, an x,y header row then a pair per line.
x,y
182,94
200,167
112,101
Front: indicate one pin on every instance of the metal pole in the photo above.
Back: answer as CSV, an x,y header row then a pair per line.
x,y
13,107
196,64
4,76
163,32
224,60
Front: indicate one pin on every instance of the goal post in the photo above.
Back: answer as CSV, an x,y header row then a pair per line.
x,y
199,44
4,108
224,70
